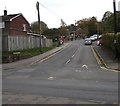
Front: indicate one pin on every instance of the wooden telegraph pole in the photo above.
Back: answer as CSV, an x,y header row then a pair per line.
x,y
37,7
115,29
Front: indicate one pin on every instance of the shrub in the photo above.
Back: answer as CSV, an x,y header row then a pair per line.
x,y
108,41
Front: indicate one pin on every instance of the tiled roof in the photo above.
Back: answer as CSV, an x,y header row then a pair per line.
x,y
8,17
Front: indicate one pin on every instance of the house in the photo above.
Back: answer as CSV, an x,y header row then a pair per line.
x,y
17,35
14,24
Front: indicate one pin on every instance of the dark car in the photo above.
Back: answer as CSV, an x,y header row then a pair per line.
x,y
88,41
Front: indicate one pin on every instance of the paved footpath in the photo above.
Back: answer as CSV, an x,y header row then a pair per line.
x,y
34,59
107,57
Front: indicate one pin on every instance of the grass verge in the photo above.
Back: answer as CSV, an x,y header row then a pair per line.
x,y
32,52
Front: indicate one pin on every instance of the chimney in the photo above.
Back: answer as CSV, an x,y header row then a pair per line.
x,y
5,12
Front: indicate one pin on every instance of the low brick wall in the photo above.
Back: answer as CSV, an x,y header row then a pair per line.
x,y
9,59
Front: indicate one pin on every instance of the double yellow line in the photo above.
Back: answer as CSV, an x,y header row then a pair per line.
x,y
100,61
49,56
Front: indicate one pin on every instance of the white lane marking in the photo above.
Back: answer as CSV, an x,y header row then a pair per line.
x,y
85,66
51,78
73,55
78,71
68,61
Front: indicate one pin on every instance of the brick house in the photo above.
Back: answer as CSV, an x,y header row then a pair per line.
x,y
17,35
14,24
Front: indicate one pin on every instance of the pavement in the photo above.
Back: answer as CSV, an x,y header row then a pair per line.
x,y
106,57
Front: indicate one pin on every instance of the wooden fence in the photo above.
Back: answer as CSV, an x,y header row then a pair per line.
x,y
13,43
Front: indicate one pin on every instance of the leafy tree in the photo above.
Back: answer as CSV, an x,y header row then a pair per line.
x,y
52,33
64,31
55,32
118,22
106,15
90,26
108,23
35,27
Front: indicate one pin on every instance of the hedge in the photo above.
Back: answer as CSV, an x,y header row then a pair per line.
x,y
108,41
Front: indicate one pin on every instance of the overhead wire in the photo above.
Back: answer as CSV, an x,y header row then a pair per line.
x,y
50,10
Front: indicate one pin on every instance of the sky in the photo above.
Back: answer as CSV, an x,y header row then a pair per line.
x,y
52,11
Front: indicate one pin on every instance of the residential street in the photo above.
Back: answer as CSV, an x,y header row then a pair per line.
x,y
71,76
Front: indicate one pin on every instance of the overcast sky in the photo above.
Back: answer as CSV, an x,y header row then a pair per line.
x,y
68,10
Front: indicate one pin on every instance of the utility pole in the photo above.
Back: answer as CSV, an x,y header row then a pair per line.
x,y
115,29
115,22
37,7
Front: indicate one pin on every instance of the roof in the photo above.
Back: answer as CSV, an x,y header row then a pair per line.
x,y
11,17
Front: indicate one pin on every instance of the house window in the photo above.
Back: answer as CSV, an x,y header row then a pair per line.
x,y
2,25
24,27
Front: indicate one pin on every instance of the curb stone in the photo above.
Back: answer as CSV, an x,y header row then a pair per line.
x,y
102,63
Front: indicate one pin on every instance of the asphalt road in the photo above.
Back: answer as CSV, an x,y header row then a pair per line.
x,y
71,76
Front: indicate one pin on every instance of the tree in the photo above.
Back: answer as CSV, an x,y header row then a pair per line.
x,y
52,33
35,27
108,22
90,26
63,31
106,15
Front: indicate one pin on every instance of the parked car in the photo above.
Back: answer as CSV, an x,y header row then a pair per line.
x,y
95,36
92,38
88,41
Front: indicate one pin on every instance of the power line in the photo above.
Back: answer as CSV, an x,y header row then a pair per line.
x,y
62,22
50,10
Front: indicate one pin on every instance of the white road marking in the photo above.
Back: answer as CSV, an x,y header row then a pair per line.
x,y
73,55
68,61
78,71
51,78
85,66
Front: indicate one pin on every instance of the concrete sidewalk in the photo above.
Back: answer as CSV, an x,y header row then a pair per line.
x,y
107,57
34,59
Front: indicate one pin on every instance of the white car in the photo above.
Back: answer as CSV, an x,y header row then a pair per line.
x,y
95,36
88,41
92,38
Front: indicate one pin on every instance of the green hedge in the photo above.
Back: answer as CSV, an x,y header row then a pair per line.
x,y
108,41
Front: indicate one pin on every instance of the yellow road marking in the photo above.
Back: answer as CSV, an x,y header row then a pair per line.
x,y
99,62
49,56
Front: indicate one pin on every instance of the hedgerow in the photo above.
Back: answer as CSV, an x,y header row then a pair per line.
x,y
108,41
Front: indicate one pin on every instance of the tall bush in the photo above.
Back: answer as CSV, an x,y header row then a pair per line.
x,y
108,41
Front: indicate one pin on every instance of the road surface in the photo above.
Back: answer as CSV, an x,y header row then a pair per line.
x,y
69,77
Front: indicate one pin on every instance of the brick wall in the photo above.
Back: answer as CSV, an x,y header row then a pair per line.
x,y
15,27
